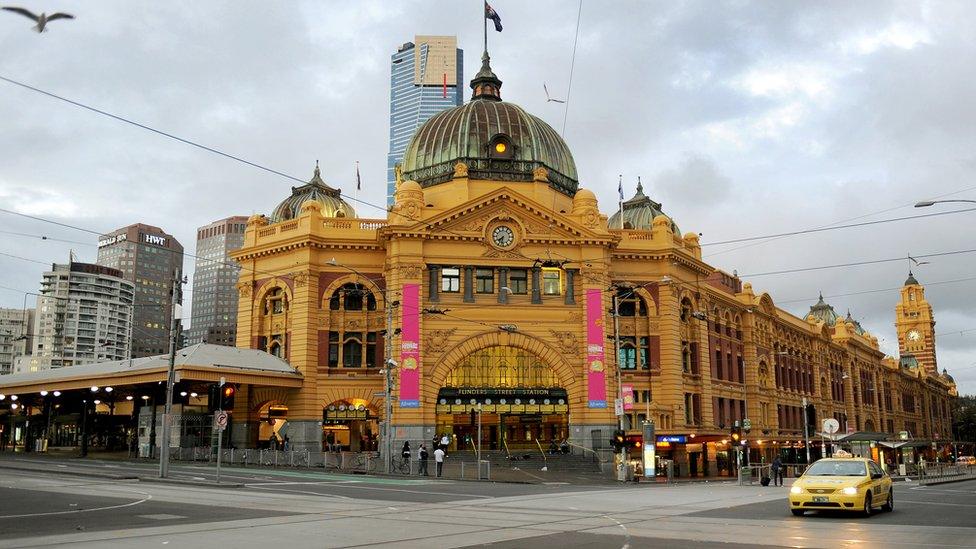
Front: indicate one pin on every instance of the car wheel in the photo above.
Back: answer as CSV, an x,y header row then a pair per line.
x,y
797,512
889,505
867,505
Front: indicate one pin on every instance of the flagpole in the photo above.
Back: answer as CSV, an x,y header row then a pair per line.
x,y
620,198
484,17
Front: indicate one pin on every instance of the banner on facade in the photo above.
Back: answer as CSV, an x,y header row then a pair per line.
x,y
595,375
410,347
627,395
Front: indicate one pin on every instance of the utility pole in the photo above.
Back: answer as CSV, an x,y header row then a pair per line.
x,y
388,386
174,334
616,356
806,429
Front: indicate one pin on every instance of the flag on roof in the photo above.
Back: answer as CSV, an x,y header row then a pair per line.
x,y
490,13
359,182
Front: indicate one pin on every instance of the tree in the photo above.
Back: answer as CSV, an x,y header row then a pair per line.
x,y
964,418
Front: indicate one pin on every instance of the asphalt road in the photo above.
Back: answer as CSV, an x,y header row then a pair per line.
x,y
952,504
580,540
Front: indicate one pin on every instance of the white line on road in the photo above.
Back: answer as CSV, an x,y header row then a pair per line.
x,y
147,498
938,503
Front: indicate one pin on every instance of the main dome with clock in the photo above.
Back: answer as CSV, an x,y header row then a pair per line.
x,y
493,138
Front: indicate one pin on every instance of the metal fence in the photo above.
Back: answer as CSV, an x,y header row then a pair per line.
x,y
349,462
940,472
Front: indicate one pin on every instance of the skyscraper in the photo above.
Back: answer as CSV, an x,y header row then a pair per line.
x,y
150,259
83,315
424,80
214,314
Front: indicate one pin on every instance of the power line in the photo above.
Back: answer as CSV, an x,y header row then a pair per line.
x,y
853,264
24,258
876,290
835,227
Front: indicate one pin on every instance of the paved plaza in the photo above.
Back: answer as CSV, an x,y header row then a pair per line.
x,y
92,504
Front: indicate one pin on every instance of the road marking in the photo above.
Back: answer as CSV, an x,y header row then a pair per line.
x,y
939,503
145,499
161,516
626,544
308,492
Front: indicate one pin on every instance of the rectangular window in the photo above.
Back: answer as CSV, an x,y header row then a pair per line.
x,y
450,280
518,281
352,350
551,282
484,281
371,350
333,349
628,354
644,354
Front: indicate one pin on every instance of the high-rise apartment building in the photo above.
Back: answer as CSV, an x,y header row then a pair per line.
x,y
424,80
83,315
214,313
151,259
16,336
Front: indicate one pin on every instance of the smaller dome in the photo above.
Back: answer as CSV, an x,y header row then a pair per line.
x,y
639,213
945,374
857,325
332,204
910,281
823,312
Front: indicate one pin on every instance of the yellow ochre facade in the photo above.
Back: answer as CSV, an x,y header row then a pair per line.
x,y
497,278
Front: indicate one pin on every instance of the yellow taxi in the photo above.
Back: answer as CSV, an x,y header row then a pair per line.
x,y
842,484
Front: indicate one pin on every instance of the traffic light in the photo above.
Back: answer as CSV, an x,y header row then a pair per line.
x,y
736,434
634,441
227,397
619,440
811,416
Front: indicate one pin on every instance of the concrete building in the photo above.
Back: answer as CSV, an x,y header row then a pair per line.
x,y
499,273
16,336
149,258
425,77
83,315
214,296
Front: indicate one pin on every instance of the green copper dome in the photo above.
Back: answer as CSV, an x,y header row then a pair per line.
x,y
824,312
471,132
316,189
639,213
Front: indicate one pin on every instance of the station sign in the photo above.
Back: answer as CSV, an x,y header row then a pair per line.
x,y
673,439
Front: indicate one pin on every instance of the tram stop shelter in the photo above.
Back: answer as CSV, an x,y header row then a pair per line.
x,y
117,406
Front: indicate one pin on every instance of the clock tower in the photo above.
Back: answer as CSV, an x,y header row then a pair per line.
x,y
915,325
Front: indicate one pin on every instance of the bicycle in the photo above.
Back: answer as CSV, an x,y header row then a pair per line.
x,y
401,465
364,461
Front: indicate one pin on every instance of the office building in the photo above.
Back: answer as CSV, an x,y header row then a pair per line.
x,y
425,77
150,259
16,336
214,296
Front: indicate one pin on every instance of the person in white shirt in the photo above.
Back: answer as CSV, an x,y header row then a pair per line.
x,y
445,441
439,459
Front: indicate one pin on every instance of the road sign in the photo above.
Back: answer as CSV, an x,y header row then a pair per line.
x,y
379,394
903,435
220,419
618,406
831,425
747,424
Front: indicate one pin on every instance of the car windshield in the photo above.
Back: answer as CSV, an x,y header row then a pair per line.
x,y
837,469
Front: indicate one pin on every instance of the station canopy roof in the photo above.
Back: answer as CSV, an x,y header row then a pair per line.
x,y
201,362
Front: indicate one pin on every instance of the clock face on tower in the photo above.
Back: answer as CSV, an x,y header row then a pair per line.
x,y
913,335
502,236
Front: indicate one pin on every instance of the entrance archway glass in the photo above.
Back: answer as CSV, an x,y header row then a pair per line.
x,y
517,395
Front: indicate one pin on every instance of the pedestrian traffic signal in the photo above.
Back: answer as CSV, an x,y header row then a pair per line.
x,y
736,433
811,415
227,397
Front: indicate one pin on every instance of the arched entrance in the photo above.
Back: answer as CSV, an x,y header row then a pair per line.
x,y
516,394
272,430
349,425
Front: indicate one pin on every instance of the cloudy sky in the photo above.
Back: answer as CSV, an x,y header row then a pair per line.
x,y
743,118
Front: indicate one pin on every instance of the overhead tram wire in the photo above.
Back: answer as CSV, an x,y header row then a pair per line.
x,y
853,264
873,291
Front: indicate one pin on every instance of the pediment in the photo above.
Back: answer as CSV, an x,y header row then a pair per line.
x,y
534,220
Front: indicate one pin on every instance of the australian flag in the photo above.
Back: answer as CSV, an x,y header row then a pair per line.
x,y
490,13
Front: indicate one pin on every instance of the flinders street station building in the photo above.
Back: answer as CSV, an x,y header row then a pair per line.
x,y
496,286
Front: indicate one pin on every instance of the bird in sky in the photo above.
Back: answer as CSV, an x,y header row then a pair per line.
x,y
42,20
548,99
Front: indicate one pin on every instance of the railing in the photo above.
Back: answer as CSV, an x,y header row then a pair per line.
x,y
267,231
289,226
483,465
355,462
937,472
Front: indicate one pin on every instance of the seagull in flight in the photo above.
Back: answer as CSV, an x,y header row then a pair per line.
x,y
548,99
42,19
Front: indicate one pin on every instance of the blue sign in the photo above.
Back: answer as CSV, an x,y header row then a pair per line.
x,y
679,439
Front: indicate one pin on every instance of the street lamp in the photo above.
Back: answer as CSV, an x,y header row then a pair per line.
x,y
388,367
927,203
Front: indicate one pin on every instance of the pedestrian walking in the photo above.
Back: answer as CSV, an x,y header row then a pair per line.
x,y
777,469
435,442
405,451
439,460
422,457
445,442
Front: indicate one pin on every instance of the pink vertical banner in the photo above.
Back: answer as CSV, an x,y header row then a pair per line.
x,y
596,381
410,347
627,396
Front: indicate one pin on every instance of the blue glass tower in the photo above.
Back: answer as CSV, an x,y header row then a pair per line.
x,y
425,79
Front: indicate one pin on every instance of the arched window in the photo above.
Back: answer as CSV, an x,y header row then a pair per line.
x,y
630,304
275,302
352,297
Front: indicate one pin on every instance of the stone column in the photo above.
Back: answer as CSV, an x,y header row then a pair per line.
x,y
468,285
433,282
536,285
502,283
570,287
